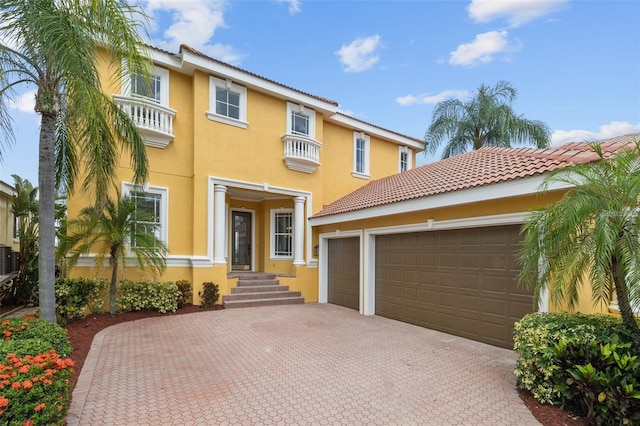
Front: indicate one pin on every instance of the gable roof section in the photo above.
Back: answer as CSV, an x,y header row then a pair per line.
x,y
479,168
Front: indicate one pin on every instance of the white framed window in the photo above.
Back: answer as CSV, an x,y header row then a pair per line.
x,y
361,143
155,88
227,102
301,121
154,201
404,159
282,233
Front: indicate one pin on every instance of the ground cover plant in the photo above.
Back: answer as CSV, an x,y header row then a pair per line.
x,y
35,372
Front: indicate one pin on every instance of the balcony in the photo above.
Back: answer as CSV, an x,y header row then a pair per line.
x,y
154,121
301,154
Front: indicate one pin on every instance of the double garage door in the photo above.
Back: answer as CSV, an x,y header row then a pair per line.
x,y
463,282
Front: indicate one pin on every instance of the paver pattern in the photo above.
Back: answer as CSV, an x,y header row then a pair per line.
x,y
313,364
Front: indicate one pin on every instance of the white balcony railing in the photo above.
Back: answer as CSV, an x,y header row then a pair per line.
x,y
154,121
300,153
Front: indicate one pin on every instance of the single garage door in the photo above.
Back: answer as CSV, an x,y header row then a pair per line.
x,y
343,274
462,282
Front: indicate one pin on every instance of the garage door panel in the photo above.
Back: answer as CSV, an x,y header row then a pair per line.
x,y
462,282
343,275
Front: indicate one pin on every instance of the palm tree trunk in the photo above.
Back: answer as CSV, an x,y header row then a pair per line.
x,y
628,318
114,280
46,226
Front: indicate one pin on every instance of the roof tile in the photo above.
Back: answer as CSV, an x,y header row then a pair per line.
x,y
477,168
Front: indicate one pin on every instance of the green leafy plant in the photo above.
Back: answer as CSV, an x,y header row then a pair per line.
x,y
148,295
76,295
35,328
186,291
34,390
209,295
584,363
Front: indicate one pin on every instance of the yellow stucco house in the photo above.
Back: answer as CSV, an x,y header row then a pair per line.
x,y
238,165
9,243
436,246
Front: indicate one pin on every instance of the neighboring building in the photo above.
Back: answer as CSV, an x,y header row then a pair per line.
x,y
436,246
238,163
9,243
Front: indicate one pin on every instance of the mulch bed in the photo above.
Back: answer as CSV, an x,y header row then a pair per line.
x,y
81,333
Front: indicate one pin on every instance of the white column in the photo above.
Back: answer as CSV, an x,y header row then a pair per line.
x,y
219,224
298,231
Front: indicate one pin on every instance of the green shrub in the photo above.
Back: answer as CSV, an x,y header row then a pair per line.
x,y
35,328
186,291
34,378
75,295
34,389
210,295
148,295
582,362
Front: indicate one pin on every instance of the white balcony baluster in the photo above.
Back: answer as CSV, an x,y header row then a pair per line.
x,y
300,153
154,121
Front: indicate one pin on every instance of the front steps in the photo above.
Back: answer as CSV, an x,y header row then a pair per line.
x,y
257,289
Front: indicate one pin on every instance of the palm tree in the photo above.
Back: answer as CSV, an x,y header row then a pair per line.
x,y
25,209
487,119
592,233
53,46
121,231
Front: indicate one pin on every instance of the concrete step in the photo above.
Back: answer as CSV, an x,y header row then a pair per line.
x,y
254,276
257,282
263,302
259,288
260,295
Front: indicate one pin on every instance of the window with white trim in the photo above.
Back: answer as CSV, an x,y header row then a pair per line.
x,y
153,201
404,159
301,121
155,88
282,233
227,102
361,144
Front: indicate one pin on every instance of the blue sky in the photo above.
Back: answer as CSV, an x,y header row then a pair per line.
x,y
575,64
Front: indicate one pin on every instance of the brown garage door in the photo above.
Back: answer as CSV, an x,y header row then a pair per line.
x,y
344,272
462,282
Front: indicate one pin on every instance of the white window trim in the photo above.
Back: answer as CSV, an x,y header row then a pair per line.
x,y
272,234
365,174
291,108
127,187
164,85
405,150
227,85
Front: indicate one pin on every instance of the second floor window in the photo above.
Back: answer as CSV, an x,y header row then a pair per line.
x,y
404,159
227,102
360,155
147,88
301,121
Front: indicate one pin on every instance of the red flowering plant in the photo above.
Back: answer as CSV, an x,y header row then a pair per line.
x,y
34,388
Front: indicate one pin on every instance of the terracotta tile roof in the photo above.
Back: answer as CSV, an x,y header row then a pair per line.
x,y
473,169
184,47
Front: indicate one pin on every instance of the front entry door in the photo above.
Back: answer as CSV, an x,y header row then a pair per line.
x,y
241,241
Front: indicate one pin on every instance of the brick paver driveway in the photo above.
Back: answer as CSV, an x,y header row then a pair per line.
x,y
299,364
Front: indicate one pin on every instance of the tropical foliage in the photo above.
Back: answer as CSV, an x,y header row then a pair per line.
x,y
25,210
591,235
52,46
486,119
120,232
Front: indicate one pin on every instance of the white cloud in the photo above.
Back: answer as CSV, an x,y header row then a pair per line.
x,y
25,102
431,99
193,22
516,12
361,54
294,5
606,131
482,49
